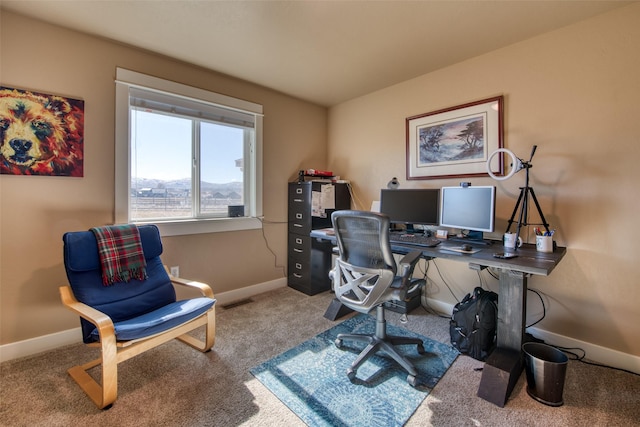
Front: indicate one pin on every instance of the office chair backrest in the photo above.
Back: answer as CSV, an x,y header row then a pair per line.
x,y
120,301
363,239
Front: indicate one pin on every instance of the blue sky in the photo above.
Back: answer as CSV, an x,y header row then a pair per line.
x,y
163,149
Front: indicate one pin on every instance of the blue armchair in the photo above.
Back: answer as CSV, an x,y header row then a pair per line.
x,y
125,319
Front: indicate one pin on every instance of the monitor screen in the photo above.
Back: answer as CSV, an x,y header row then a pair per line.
x,y
468,208
411,206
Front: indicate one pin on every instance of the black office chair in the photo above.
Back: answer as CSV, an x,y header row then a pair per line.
x,y
365,276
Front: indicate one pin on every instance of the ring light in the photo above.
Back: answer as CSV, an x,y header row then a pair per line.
x,y
516,164
526,191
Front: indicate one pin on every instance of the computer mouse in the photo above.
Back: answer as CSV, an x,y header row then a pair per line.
x,y
466,247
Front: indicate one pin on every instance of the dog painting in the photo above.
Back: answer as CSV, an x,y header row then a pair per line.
x,y
40,134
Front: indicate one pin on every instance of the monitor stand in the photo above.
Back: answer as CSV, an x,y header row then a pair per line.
x,y
472,238
409,229
412,230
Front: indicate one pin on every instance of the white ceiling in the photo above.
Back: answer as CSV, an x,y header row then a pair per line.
x,y
325,52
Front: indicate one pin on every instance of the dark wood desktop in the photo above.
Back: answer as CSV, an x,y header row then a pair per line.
x,y
505,364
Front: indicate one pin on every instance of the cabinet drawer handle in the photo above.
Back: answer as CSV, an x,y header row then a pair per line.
x,y
297,225
297,276
297,200
298,266
298,216
298,250
298,190
298,241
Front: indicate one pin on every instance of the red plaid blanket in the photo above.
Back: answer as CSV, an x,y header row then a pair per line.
x,y
121,255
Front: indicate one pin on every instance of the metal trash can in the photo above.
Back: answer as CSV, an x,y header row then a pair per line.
x,y
546,368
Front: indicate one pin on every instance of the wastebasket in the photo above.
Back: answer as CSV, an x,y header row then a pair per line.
x,y
546,368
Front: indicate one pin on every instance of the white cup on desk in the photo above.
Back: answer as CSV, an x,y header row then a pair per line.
x,y
544,244
511,240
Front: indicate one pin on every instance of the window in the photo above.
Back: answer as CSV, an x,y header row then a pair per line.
x,y
187,159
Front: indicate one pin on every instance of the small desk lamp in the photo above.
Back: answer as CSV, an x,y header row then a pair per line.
x,y
526,191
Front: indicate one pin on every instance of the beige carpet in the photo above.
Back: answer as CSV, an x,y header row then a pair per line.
x,y
175,385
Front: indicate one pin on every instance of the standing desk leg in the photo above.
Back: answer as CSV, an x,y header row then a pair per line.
x,y
504,365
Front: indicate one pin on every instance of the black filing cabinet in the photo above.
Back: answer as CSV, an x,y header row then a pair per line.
x,y
311,204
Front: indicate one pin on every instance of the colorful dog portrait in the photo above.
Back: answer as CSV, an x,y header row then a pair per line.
x,y
40,134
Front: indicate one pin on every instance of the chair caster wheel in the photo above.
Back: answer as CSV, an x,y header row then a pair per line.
x,y
351,374
338,343
421,349
412,380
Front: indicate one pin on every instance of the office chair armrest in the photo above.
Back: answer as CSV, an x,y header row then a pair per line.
x,y
408,263
202,287
102,322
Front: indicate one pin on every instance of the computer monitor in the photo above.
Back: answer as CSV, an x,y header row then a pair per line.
x,y
411,207
469,209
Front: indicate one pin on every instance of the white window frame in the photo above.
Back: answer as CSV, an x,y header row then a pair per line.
x,y
126,79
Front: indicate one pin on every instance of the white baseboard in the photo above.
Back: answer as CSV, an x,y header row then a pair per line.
x,y
443,308
595,353
229,297
74,336
41,344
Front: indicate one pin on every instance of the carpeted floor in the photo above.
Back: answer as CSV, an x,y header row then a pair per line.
x,y
311,378
174,385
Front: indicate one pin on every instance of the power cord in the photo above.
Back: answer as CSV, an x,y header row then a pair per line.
x,y
423,301
356,200
493,273
482,283
544,308
580,358
444,281
266,242
568,350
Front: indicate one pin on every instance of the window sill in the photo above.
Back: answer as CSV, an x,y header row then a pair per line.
x,y
202,226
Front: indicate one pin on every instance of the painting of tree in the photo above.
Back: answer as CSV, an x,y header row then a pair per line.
x,y
455,141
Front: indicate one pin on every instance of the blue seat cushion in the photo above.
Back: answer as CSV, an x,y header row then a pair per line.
x,y
160,320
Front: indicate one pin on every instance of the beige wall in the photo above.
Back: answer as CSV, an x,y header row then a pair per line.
x,y
36,211
575,94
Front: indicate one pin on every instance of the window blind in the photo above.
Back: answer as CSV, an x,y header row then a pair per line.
x,y
159,102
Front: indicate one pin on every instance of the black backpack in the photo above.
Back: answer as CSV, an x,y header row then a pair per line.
x,y
473,324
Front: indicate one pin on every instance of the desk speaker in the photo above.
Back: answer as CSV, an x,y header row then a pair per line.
x,y
235,211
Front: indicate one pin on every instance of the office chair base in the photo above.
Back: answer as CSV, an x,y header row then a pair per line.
x,y
411,379
386,344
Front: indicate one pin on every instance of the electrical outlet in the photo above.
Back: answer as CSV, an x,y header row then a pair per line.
x,y
175,271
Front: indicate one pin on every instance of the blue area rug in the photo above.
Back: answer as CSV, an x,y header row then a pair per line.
x,y
311,378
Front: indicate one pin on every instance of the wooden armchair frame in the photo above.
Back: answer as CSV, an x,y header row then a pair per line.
x,y
114,352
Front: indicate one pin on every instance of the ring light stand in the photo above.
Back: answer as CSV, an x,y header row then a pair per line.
x,y
525,192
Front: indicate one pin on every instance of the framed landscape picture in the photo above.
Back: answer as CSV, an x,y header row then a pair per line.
x,y
455,142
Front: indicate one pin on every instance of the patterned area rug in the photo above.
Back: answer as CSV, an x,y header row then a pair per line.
x,y
311,378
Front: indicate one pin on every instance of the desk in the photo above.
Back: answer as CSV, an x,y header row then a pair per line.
x,y
504,366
